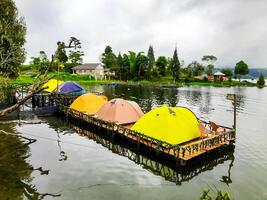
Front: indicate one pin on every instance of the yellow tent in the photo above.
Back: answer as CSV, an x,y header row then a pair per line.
x,y
88,103
52,85
174,125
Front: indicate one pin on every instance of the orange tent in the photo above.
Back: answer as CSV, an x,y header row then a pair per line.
x,y
88,103
120,111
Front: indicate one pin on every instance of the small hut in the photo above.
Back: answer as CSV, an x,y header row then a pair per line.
x,y
174,125
120,111
219,76
88,103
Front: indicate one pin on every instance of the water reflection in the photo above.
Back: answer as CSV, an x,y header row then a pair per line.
x,y
158,165
15,171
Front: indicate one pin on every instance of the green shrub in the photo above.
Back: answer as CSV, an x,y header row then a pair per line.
x,y
261,81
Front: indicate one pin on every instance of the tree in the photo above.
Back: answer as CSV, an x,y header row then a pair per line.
x,y
108,58
75,56
120,66
151,57
12,39
142,66
125,67
132,62
209,69
227,72
175,66
261,81
209,58
188,71
137,64
161,64
41,62
60,54
241,68
197,68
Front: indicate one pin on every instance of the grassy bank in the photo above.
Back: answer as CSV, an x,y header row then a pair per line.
x,y
27,77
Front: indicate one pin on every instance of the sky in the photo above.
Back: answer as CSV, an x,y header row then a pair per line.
x,y
231,30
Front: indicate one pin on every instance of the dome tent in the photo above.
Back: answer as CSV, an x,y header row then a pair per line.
x,y
52,84
88,103
174,125
69,87
120,111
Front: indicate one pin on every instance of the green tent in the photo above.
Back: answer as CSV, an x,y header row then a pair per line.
x,y
174,125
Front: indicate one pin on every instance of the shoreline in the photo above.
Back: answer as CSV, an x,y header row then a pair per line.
x,y
25,79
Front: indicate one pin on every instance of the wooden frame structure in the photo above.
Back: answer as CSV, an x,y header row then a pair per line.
x,y
182,152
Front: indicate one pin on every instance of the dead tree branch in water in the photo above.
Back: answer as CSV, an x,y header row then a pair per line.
x,y
36,88
30,140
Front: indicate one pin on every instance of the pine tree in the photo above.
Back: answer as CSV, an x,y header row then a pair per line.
x,y
108,58
151,59
175,66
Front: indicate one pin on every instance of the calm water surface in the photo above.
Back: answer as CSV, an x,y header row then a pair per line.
x,y
62,164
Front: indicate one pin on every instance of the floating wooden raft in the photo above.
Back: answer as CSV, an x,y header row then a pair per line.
x,y
182,152
168,170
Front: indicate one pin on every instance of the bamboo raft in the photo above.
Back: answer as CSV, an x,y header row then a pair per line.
x,y
181,152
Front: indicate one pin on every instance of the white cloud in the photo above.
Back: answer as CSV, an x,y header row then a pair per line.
x,y
230,30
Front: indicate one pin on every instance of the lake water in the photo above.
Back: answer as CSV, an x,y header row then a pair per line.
x,y
62,164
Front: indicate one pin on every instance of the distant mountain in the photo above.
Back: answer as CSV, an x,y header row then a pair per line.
x,y
253,72
256,72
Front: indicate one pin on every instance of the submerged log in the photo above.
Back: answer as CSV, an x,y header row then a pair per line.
x,y
19,122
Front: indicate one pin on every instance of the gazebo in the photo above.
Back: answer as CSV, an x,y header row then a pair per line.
x,y
219,76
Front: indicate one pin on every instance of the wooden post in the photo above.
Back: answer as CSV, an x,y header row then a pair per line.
x,y
235,111
33,101
57,76
233,99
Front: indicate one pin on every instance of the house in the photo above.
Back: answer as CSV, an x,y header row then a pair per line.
x,y
203,77
93,69
219,76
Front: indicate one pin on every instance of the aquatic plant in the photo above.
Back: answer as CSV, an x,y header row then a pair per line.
x,y
220,195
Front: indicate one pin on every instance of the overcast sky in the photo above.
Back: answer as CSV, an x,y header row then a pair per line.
x,y
229,29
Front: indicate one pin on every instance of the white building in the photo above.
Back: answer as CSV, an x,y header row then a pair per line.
x,y
94,69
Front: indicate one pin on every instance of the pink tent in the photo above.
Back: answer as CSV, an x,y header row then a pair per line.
x,y
120,111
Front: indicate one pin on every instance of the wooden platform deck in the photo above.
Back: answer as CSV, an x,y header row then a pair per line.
x,y
182,152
